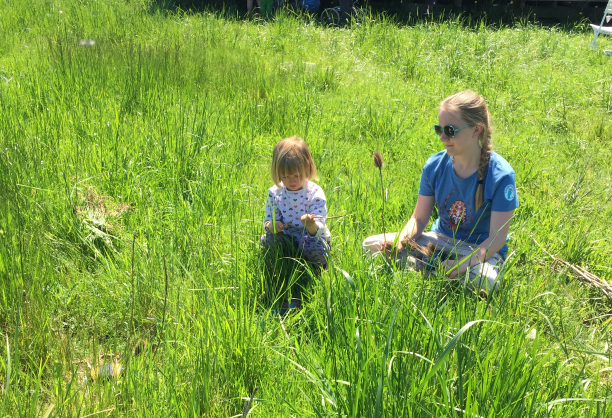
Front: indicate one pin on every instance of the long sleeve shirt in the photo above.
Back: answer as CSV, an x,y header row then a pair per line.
x,y
288,207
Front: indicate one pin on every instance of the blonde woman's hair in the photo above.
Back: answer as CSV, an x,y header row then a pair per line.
x,y
291,156
472,108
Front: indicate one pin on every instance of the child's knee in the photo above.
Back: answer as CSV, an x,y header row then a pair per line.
x,y
308,241
318,258
314,249
267,240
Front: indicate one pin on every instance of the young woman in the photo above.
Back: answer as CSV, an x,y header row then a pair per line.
x,y
475,194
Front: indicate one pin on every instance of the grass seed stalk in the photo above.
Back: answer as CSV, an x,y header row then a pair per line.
x,y
378,163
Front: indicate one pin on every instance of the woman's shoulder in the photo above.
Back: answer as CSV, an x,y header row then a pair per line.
x,y
439,159
499,167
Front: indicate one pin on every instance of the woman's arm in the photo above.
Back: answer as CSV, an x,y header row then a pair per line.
x,y
498,231
418,221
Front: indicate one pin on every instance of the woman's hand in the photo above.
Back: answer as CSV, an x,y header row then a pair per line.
x,y
279,227
389,250
449,269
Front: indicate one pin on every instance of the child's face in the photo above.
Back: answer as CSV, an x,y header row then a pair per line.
x,y
293,181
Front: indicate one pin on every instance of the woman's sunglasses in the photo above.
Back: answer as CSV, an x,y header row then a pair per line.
x,y
449,130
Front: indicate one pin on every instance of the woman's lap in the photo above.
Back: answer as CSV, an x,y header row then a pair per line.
x,y
482,276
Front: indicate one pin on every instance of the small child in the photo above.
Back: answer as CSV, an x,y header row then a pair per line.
x,y
296,207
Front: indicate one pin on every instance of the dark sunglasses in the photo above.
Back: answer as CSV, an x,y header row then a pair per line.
x,y
449,130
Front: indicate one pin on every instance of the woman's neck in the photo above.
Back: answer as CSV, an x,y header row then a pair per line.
x,y
466,165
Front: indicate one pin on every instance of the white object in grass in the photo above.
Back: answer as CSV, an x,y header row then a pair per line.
x,y
604,30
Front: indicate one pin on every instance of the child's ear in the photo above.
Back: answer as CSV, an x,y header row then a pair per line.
x,y
478,130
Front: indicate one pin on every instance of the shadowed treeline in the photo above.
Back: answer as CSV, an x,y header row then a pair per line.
x,y
562,14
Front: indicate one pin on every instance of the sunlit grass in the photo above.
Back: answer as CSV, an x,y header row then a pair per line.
x,y
133,174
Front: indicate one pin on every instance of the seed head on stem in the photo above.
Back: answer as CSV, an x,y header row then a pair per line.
x,y
378,160
378,163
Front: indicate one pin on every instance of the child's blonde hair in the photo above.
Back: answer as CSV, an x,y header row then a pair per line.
x,y
291,156
472,108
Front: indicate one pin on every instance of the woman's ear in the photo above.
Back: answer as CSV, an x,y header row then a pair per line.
x,y
478,130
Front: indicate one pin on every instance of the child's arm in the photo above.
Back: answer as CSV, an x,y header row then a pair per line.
x,y
273,221
314,220
310,222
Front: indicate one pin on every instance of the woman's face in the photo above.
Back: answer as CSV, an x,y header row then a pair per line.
x,y
465,141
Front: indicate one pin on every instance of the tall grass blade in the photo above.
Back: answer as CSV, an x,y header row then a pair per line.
x,y
379,391
447,350
7,382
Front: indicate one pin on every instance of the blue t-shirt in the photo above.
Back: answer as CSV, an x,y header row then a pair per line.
x,y
455,197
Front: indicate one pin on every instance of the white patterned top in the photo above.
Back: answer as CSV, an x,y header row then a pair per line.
x,y
288,206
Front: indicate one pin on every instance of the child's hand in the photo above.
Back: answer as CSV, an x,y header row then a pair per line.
x,y
308,220
279,227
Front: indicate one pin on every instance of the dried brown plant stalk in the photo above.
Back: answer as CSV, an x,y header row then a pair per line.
x,y
582,274
427,251
330,217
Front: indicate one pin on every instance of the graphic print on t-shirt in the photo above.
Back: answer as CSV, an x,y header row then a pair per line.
x,y
456,215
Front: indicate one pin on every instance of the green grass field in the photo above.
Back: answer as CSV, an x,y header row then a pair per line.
x,y
133,176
